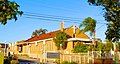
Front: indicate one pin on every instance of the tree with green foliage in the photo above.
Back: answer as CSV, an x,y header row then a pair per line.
x,y
99,46
88,25
108,46
118,46
104,48
39,32
8,11
60,40
112,16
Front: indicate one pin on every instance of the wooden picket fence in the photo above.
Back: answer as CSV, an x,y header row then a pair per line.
x,y
80,58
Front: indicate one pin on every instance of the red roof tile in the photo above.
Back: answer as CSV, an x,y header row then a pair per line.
x,y
43,36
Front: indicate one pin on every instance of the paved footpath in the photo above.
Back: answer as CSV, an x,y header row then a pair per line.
x,y
22,61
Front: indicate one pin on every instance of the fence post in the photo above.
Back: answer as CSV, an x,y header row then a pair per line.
x,y
63,56
88,57
119,55
70,58
92,57
84,59
80,59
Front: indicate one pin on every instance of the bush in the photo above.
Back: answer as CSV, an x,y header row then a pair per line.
x,y
80,48
57,61
11,59
6,61
1,58
66,62
14,62
73,63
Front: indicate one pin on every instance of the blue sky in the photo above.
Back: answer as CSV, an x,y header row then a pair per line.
x,y
23,27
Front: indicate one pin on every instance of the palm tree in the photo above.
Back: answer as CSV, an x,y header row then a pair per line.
x,y
39,32
88,25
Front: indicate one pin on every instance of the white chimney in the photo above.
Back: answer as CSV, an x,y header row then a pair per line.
x,y
74,31
62,25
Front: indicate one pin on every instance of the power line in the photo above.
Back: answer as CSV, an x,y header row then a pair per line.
x,y
51,15
58,21
55,16
100,27
49,19
70,19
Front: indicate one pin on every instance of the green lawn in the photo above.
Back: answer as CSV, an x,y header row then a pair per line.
x,y
1,58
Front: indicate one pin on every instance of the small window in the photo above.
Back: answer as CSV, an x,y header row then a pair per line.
x,y
20,49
